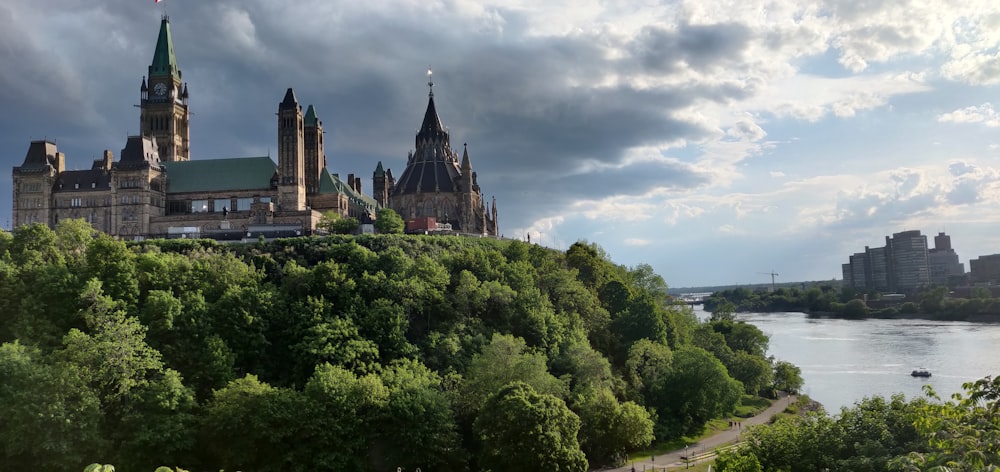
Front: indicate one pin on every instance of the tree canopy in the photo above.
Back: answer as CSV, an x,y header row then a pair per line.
x,y
345,352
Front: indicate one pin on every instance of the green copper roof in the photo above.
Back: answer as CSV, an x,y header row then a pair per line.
x,y
310,119
164,62
331,184
214,175
379,171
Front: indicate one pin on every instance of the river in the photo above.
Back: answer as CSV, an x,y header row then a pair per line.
x,y
843,361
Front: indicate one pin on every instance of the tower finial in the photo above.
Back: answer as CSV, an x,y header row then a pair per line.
x,y
430,81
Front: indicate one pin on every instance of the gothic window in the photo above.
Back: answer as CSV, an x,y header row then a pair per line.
x,y
76,201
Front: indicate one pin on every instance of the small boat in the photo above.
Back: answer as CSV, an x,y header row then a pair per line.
x,y
921,373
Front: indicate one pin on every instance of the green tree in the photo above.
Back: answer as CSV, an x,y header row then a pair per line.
x,y
737,460
587,368
961,434
159,425
341,409
697,389
504,360
387,221
417,427
336,224
754,372
114,357
863,438
111,262
609,429
251,425
51,417
725,311
932,301
521,430
5,241
34,244
647,366
73,236
856,308
787,377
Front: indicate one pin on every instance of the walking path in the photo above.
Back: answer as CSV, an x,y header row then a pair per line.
x,y
706,445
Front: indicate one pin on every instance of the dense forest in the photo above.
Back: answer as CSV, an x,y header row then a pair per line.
x,y
934,303
351,353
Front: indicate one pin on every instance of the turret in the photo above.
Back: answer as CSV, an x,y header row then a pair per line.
x,y
164,101
466,169
315,156
291,154
380,187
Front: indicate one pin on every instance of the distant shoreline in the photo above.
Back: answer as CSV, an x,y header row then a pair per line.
x,y
971,318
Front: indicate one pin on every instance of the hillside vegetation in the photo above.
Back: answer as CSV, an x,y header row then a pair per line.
x,y
350,353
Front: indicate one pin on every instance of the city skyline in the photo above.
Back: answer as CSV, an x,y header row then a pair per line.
x,y
712,141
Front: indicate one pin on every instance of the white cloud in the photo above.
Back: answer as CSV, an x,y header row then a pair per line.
x,y
637,242
983,114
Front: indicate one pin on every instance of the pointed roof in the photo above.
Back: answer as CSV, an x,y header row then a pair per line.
x,y
311,119
329,183
164,61
289,101
40,154
466,164
379,170
431,127
139,152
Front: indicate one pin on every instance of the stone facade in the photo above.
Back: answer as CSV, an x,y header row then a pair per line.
x,y
155,190
435,184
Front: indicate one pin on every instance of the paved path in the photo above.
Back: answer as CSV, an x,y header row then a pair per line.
x,y
673,459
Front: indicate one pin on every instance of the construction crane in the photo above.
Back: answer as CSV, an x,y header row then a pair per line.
x,y
773,274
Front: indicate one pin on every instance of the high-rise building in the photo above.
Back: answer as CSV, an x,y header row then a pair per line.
x,y
945,270
879,279
902,265
985,269
860,269
908,259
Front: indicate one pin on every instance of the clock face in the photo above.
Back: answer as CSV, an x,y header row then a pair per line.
x,y
160,88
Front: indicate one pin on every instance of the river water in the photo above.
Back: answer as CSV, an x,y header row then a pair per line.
x,y
843,361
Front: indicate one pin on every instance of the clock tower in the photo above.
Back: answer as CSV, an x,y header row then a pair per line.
x,y
164,101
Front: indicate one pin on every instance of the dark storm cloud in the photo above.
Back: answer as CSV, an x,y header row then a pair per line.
x,y
527,105
633,180
699,47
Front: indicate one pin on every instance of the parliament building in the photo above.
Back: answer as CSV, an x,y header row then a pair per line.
x,y
154,189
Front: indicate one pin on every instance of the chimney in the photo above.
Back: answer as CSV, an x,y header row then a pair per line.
x,y
108,159
60,162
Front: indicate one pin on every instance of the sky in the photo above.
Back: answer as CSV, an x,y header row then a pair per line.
x,y
716,140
